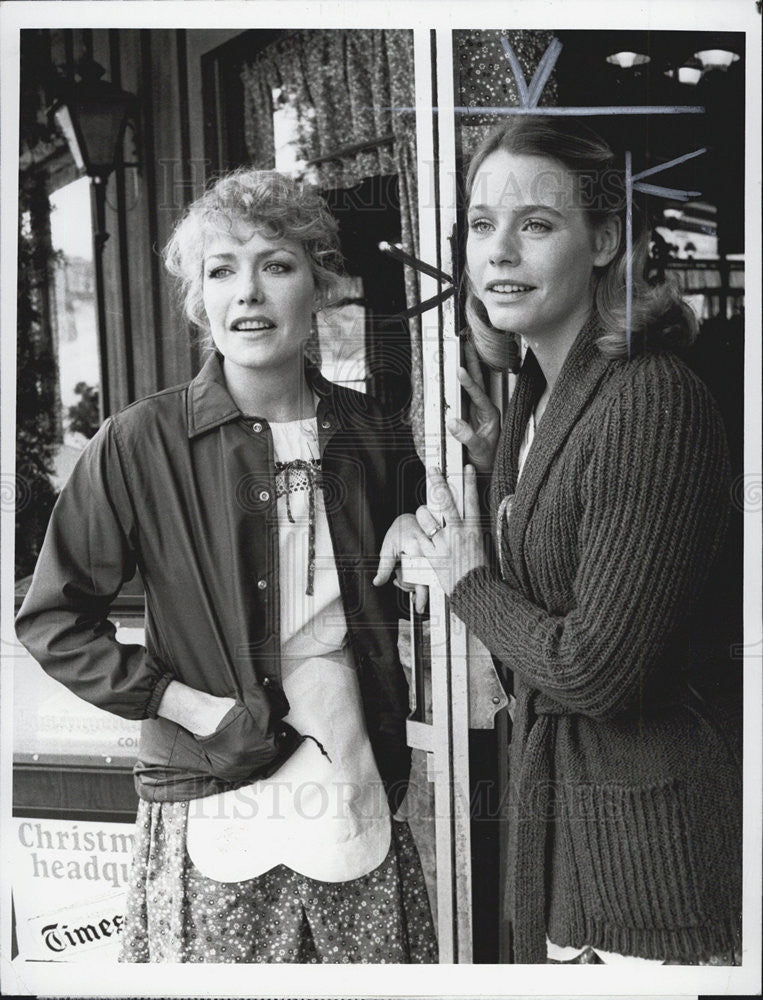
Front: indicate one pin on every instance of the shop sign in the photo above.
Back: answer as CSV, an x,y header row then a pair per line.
x,y
69,888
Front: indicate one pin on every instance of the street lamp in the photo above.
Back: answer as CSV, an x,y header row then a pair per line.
x,y
92,115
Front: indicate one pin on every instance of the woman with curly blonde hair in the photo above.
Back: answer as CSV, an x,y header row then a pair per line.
x,y
272,757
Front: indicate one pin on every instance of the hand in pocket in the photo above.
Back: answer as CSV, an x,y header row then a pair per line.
x,y
242,748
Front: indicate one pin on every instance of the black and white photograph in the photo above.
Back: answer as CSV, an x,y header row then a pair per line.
x,y
381,499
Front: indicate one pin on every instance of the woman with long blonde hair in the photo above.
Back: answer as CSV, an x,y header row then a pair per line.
x,y
609,501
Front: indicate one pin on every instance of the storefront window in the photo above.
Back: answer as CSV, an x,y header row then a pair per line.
x,y
76,335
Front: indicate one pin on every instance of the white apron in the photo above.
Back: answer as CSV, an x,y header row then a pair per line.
x,y
324,813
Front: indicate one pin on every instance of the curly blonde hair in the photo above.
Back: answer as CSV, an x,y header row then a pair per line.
x,y
285,208
659,316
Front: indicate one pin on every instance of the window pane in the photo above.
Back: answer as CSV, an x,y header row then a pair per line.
x,y
76,325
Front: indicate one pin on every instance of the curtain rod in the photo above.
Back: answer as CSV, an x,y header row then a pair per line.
x,y
357,147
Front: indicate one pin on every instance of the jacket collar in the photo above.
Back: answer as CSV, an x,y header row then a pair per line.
x,y
209,404
583,370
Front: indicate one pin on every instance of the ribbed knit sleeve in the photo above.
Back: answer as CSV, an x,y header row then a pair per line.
x,y
654,504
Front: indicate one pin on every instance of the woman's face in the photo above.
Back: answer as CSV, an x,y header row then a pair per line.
x,y
259,295
530,250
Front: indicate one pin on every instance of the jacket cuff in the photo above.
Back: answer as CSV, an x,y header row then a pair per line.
x,y
157,694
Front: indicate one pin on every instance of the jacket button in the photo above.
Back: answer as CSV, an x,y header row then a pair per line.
x,y
262,584
282,736
257,427
325,424
264,496
266,682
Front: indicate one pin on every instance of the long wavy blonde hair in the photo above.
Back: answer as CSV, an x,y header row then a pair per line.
x,y
659,316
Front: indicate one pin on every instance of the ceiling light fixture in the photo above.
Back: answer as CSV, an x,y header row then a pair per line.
x,y
690,73
716,58
628,60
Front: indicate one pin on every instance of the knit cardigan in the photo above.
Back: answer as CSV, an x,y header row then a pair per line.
x,y
624,787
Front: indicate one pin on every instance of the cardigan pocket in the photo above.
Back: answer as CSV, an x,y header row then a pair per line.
x,y
633,852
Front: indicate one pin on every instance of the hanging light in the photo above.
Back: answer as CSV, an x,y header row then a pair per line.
x,y
690,73
628,60
92,115
716,58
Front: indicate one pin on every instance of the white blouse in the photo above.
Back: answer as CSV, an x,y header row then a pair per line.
x,y
324,813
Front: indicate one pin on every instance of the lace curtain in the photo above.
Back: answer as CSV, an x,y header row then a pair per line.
x,y
345,88
484,77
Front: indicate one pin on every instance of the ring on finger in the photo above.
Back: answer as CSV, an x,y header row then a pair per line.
x,y
433,531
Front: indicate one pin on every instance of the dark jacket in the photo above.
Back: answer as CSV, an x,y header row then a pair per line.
x,y
625,793
181,486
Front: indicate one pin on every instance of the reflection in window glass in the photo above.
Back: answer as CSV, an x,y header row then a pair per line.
x,y
342,336
76,325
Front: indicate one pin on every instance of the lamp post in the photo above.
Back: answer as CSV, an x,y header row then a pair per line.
x,y
92,114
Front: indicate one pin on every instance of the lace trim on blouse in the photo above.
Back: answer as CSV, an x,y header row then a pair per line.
x,y
299,476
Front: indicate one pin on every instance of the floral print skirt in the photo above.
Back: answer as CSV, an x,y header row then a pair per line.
x,y
176,914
